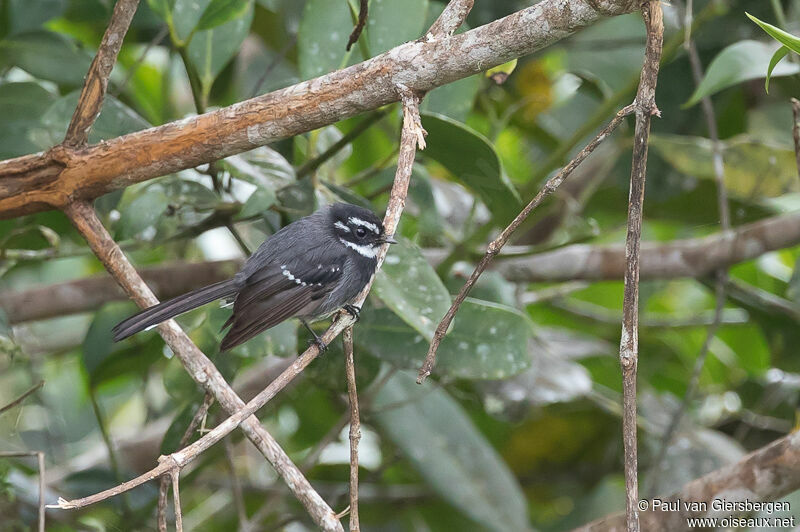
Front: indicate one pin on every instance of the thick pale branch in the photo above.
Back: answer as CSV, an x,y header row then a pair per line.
x,y
38,182
452,17
763,475
355,427
94,88
197,364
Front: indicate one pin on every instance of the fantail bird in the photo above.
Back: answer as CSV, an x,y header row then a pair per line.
x,y
309,269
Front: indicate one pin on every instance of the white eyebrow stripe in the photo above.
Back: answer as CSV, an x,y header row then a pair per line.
x,y
341,226
369,225
366,251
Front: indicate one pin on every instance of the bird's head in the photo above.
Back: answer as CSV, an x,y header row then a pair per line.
x,y
358,229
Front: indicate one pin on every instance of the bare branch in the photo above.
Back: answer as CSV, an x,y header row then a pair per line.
x,y
197,364
363,9
39,182
766,474
453,16
176,499
22,397
629,341
497,244
94,88
355,427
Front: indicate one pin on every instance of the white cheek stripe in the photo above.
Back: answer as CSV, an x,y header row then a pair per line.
x,y
366,251
341,226
369,225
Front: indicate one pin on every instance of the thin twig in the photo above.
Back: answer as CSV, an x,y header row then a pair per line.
x,y
796,131
198,417
198,365
40,462
497,244
355,427
176,500
721,274
94,88
21,398
362,20
629,340
131,71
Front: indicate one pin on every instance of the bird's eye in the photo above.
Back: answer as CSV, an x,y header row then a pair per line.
x,y
361,232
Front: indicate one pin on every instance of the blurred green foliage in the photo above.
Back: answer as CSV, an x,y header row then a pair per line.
x,y
520,427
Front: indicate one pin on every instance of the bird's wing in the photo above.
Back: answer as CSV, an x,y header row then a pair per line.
x,y
277,292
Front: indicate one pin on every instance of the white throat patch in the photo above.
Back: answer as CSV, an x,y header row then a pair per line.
x,y
366,251
369,225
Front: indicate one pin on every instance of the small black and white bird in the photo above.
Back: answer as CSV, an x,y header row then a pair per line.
x,y
309,269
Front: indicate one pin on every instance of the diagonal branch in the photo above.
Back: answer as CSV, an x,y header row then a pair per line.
x,y
629,341
196,363
497,244
42,181
94,88
451,18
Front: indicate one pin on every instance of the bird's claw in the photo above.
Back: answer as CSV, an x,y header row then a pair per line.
x,y
353,311
321,345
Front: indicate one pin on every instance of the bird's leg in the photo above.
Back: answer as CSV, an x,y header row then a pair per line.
x,y
353,311
317,340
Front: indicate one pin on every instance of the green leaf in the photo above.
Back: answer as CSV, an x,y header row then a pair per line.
x,y
163,8
115,119
322,37
21,105
408,285
753,169
453,457
393,22
260,200
26,15
780,53
98,344
487,341
172,437
139,209
471,158
46,55
219,12
211,50
737,63
786,39
455,99
184,16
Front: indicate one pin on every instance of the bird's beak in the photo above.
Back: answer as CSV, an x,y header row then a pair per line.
x,y
389,240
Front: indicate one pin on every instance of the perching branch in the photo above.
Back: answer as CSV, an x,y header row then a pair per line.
x,y
197,364
176,499
355,427
94,88
38,182
629,342
497,244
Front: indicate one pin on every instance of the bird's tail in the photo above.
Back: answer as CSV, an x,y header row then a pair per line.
x,y
154,315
